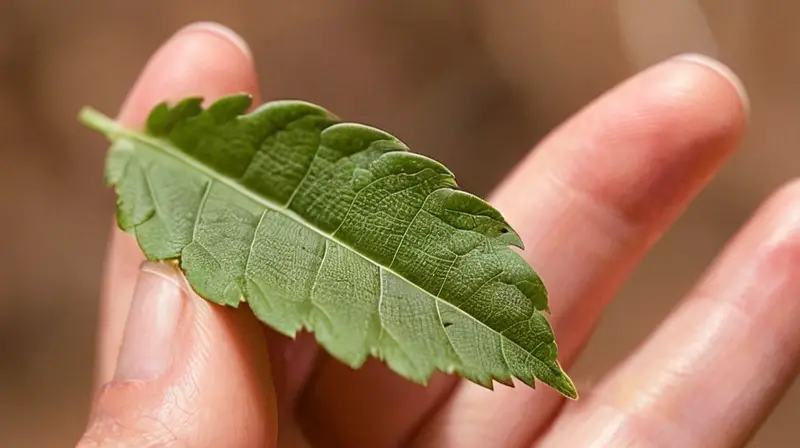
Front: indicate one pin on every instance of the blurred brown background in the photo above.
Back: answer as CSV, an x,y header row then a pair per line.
x,y
470,82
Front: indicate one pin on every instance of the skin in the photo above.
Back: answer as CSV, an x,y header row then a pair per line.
x,y
174,370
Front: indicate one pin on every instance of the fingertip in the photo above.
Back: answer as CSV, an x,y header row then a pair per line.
x,y
647,146
694,96
788,195
780,217
694,99
722,70
223,32
776,218
203,59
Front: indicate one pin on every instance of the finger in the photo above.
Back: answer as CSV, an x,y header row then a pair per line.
x,y
189,373
202,59
588,204
207,60
716,368
371,406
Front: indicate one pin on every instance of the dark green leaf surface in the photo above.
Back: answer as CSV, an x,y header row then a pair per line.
x,y
336,228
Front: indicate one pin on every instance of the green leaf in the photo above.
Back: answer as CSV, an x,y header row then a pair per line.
x,y
336,228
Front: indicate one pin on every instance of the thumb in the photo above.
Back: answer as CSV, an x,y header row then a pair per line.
x,y
189,373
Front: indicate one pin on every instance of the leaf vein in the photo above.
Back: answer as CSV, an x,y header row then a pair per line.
x,y
203,200
446,334
410,224
259,144
439,293
253,241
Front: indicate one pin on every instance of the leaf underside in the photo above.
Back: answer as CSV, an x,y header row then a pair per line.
x,y
336,228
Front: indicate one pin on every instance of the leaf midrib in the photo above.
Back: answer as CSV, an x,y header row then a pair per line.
x,y
114,130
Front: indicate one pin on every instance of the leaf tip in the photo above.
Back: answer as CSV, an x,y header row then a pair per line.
x,y
566,386
511,237
571,393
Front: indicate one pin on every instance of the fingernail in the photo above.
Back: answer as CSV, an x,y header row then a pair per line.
x,y
221,31
151,331
723,70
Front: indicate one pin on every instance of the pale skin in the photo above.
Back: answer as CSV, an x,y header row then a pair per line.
x,y
175,370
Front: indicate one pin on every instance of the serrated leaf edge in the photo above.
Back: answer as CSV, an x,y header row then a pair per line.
x,y
114,130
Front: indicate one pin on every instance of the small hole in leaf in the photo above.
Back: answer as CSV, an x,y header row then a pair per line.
x,y
447,324
503,230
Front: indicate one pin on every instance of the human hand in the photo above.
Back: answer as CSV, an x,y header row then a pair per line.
x,y
176,370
